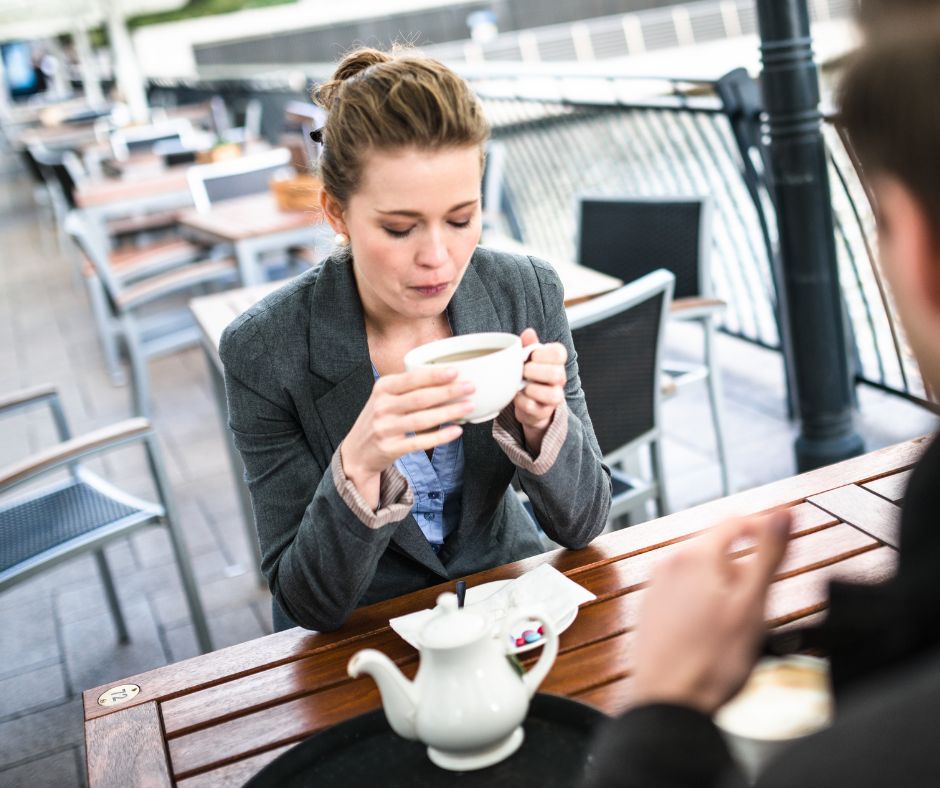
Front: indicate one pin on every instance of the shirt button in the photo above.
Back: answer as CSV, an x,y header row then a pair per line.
x,y
429,517
434,495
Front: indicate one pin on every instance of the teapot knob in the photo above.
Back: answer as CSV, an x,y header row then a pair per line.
x,y
447,602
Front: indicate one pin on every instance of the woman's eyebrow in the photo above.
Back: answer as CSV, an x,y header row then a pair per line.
x,y
418,214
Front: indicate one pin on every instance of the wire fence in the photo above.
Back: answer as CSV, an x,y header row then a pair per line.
x,y
686,143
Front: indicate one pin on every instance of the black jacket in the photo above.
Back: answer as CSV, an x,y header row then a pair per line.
x,y
884,644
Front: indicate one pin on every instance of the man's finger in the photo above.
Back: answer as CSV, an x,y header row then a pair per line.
x,y
773,534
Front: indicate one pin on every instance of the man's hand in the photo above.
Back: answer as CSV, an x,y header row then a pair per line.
x,y
702,620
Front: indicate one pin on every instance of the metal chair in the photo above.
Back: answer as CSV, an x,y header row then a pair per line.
x,y
628,237
82,513
226,180
140,139
618,339
143,310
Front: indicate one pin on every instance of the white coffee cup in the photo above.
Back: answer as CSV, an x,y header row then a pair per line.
x,y
784,699
492,362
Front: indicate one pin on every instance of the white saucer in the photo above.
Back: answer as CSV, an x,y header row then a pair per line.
x,y
477,594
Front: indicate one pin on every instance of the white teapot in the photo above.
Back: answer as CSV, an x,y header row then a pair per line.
x,y
468,701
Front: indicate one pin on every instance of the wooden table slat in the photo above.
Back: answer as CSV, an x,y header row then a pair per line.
x,y
892,487
863,509
236,773
133,735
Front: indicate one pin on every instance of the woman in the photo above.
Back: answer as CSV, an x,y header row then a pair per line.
x,y
359,492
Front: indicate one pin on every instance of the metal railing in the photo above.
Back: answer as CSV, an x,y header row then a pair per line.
x,y
687,142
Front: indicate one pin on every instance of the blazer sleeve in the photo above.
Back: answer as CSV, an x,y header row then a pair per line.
x,y
568,483
665,746
317,553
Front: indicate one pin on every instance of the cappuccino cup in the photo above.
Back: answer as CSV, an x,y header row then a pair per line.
x,y
492,362
783,700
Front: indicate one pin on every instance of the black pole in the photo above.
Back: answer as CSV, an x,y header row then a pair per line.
x,y
808,278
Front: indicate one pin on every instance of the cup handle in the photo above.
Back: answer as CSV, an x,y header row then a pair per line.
x,y
532,678
526,352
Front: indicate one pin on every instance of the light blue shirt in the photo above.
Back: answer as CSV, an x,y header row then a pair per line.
x,y
437,484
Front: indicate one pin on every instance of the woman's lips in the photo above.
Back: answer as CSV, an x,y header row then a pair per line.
x,y
431,290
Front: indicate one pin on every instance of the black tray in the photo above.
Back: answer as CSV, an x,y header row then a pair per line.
x,y
364,751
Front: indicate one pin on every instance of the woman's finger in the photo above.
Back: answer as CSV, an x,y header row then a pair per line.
x,y
544,395
552,353
550,374
432,396
422,441
403,382
430,419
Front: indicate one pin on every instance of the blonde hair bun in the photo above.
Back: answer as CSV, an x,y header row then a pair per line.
x,y
388,101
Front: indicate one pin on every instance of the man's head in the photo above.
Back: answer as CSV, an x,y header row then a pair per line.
x,y
890,108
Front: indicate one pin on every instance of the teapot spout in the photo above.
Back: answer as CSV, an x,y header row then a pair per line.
x,y
399,696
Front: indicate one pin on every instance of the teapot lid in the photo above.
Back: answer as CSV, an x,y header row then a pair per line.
x,y
452,627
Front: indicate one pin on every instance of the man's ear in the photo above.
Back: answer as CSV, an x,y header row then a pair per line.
x,y
332,212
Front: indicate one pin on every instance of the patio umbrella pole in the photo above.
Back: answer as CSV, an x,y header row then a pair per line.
x,y
808,277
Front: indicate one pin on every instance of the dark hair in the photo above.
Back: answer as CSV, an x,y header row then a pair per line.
x,y
889,106
386,101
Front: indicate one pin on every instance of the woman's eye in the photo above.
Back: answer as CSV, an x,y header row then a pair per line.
x,y
397,233
460,225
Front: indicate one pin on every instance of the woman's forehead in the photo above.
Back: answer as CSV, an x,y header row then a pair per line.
x,y
419,180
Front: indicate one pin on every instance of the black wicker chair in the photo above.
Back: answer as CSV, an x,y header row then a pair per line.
x,y
628,237
617,337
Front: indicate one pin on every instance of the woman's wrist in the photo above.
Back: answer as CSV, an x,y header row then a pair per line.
x,y
367,483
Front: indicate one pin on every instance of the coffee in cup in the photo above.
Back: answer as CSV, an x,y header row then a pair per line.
x,y
783,700
492,362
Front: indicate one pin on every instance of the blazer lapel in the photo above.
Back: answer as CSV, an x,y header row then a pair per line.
x,y
339,354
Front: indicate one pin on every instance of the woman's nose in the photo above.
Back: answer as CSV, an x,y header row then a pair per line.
x,y
433,250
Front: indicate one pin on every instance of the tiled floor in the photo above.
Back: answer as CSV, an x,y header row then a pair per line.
x,y
56,637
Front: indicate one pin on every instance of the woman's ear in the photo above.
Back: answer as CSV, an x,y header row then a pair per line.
x,y
333,212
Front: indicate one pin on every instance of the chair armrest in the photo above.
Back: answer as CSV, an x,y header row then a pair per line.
x,y
134,264
69,451
25,397
174,281
695,308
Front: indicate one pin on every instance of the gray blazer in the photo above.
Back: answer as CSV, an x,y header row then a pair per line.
x,y
297,375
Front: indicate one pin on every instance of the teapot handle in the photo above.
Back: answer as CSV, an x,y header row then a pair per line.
x,y
534,677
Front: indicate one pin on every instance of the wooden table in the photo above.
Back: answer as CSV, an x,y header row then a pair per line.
x,y
255,225
216,719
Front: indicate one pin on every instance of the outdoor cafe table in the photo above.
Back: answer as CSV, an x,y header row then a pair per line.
x,y
101,199
217,719
254,225
213,313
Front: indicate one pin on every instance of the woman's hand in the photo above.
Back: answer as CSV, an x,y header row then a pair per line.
x,y
545,378
402,415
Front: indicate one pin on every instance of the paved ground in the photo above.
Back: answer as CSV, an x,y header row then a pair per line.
x,y
57,638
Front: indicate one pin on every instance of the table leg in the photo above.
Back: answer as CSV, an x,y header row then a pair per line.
x,y
249,263
238,468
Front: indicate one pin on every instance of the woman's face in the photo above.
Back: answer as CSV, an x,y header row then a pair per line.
x,y
413,225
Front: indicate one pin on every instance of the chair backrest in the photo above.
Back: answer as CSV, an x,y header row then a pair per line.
x,y
138,139
628,237
225,180
76,227
617,337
